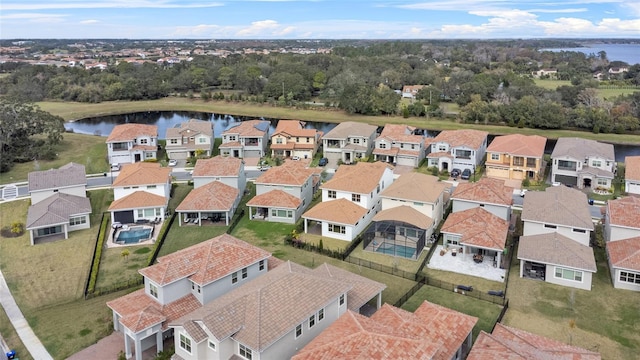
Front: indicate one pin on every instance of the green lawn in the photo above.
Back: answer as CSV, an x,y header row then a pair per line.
x,y
604,93
607,319
179,237
117,269
11,337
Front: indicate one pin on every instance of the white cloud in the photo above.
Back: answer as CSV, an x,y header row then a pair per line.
x,y
115,4
35,17
551,11
86,22
260,28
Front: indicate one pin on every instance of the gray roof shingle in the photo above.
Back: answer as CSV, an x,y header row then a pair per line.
x,y
558,205
580,149
56,209
557,249
68,175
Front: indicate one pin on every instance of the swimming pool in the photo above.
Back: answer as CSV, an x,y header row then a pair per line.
x,y
396,250
134,235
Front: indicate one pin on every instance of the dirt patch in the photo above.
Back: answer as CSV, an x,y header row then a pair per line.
x,y
6,232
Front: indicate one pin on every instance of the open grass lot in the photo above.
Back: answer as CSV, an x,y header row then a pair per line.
x,y
607,319
116,269
88,150
486,312
603,92
74,111
11,337
478,283
179,238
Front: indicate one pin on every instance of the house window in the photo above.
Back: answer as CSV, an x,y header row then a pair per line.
x,y
568,274
49,230
173,141
418,203
383,146
442,148
151,187
199,289
297,139
279,140
244,273
148,155
463,154
320,314
341,299
153,290
298,330
185,343
337,229
581,231
596,163
633,278
202,140
355,141
567,165
550,226
144,141
312,321
518,161
355,197
212,345
79,220
261,265
531,162
245,352
234,277
331,194
232,138
308,140
603,182
495,157
412,233
158,212
413,146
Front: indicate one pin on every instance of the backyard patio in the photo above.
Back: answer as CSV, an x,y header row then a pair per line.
x,y
465,264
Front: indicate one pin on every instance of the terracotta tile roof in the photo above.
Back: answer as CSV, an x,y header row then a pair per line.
x,y
142,173
431,332
248,128
400,133
632,168
557,249
455,138
519,145
195,331
189,128
361,178
139,311
275,198
57,209
624,212
485,191
294,128
348,129
218,166
406,214
213,196
290,173
68,175
231,144
261,311
415,186
137,200
514,344
580,149
439,154
128,132
625,253
478,228
558,205
205,262
389,152
363,290
340,211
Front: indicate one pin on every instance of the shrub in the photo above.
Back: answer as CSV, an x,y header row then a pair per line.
x,y
102,235
17,228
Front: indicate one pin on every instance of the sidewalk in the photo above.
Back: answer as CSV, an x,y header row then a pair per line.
x,y
29,339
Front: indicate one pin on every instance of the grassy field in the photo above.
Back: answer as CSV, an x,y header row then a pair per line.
x,y
74,111
11,337
116,269
88,150
607,319
604,93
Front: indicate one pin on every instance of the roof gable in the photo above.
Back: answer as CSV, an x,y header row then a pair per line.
x,y
624,212
211,196
70,174
632,168
57,209
129,132
557,249
478,227
361,178
580,149
486,190
625,253
519,145
558,205
415,186
340,211
142,173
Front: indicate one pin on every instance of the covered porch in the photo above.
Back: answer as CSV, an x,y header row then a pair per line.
x,y
463,263
207,218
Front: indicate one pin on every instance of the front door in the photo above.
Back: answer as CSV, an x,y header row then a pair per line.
x,y
136,158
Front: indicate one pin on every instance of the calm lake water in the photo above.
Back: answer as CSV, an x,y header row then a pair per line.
x,y
629,53
103,126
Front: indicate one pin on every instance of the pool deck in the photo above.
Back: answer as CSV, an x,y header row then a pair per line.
x,y
111,243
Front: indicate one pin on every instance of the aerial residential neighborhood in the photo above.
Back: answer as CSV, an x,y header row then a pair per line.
x,y
260,251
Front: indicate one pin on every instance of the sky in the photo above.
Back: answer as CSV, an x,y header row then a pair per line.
x,y
318,19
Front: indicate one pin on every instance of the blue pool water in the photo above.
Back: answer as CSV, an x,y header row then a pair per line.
x,y
397,250
133,236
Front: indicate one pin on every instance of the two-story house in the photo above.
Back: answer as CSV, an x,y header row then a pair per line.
x,y
516,157
180,283
583,163
349,200
456,149
399,144
349,141
556,235
274,315
291,138
430,332
490,194
282,193
632,175
189,138
140,192
226,169
59,202
622,233
209,204
246,139
131,143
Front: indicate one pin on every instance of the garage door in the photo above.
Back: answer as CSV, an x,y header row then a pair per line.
x,y
518,175
567,180
120,159
333,155
499,173
177,155
252,153
123,217
404,160
633,188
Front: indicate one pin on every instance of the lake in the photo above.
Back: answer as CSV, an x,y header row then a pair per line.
x,y
629,53
103,126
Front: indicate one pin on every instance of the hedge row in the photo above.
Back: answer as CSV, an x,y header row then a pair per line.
x,y
97,255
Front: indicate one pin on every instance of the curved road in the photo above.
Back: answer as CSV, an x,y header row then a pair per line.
x,y
29,339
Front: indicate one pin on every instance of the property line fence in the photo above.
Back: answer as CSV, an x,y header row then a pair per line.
x,y
161,237
99,291
98,245
234,222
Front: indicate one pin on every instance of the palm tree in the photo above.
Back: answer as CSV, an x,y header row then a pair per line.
x,y
125,254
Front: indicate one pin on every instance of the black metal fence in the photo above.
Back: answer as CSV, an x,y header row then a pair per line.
x,y
236,219
99,291
93,267
382,268
161,237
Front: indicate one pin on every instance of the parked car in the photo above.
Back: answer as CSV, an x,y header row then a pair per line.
x,y
466,174
173,162
264,167
523,192
296,158
455,173
323,162
115,167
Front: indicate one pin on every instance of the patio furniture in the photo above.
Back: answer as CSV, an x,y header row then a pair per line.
x,y
499,293
478,258
454,252
465,287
